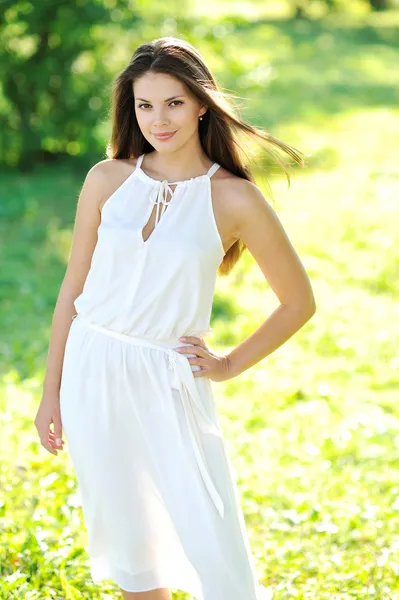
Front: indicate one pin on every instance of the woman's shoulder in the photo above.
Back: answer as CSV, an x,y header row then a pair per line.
x,y
113,167
234,200
109,174
234,189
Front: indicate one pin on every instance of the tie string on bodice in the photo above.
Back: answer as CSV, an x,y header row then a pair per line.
x,y
159,196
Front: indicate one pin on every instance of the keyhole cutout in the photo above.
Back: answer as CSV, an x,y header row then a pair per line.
x,y
150,226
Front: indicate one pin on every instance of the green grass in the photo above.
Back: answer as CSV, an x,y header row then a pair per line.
x,y
311,429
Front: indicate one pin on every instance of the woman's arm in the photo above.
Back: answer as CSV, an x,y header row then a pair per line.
x,y
262,232
249,217
84,239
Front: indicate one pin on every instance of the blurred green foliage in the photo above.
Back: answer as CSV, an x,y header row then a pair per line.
x,y
57,60
311,429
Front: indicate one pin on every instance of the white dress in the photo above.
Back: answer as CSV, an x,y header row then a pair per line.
x,y
158,490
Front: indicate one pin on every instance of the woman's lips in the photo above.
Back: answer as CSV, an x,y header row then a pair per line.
x,y
163,136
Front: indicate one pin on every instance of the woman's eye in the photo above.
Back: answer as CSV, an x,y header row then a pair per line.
x,y
173,102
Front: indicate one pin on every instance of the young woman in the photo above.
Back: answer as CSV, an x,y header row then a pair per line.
x,y
129,379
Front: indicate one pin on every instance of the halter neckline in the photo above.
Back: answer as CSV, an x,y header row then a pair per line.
x,y
214,167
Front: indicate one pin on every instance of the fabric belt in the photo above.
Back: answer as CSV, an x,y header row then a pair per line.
x,y
196,416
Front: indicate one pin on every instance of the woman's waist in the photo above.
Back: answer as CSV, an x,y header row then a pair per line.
x,y
140,338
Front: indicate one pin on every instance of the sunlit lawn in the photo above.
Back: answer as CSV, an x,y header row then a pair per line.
x,y
312,430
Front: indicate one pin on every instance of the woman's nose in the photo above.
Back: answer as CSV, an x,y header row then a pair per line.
x,y
160,118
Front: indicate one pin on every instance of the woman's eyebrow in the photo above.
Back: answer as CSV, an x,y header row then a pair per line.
x,y
167,99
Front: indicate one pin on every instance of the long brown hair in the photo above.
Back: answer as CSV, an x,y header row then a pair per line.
x,y
219,128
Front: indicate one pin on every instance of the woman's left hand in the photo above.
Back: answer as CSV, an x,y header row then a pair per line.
x,y
211,365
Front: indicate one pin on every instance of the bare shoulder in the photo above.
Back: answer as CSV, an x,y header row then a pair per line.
x,y
236,202
242,193
107,175
255,222
255,218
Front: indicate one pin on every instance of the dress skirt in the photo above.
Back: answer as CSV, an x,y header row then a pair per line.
x,y
158,491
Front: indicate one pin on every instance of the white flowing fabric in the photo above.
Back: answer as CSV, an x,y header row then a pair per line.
x,y
158,490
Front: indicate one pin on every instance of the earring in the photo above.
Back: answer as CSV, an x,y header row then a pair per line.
x,y
200,118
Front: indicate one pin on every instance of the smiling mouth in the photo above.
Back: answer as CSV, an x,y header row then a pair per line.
x,y
161,135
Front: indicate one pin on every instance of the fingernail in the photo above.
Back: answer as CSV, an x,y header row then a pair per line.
x,y
58,441
182,339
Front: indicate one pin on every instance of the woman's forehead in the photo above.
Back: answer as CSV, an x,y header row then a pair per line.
x,y
158,84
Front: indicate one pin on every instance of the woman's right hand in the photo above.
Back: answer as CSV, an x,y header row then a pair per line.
x,y
47,414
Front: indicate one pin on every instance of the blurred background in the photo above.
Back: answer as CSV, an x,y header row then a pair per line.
x,y
312,429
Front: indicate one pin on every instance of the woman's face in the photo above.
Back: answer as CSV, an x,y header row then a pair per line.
x,y
164,105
